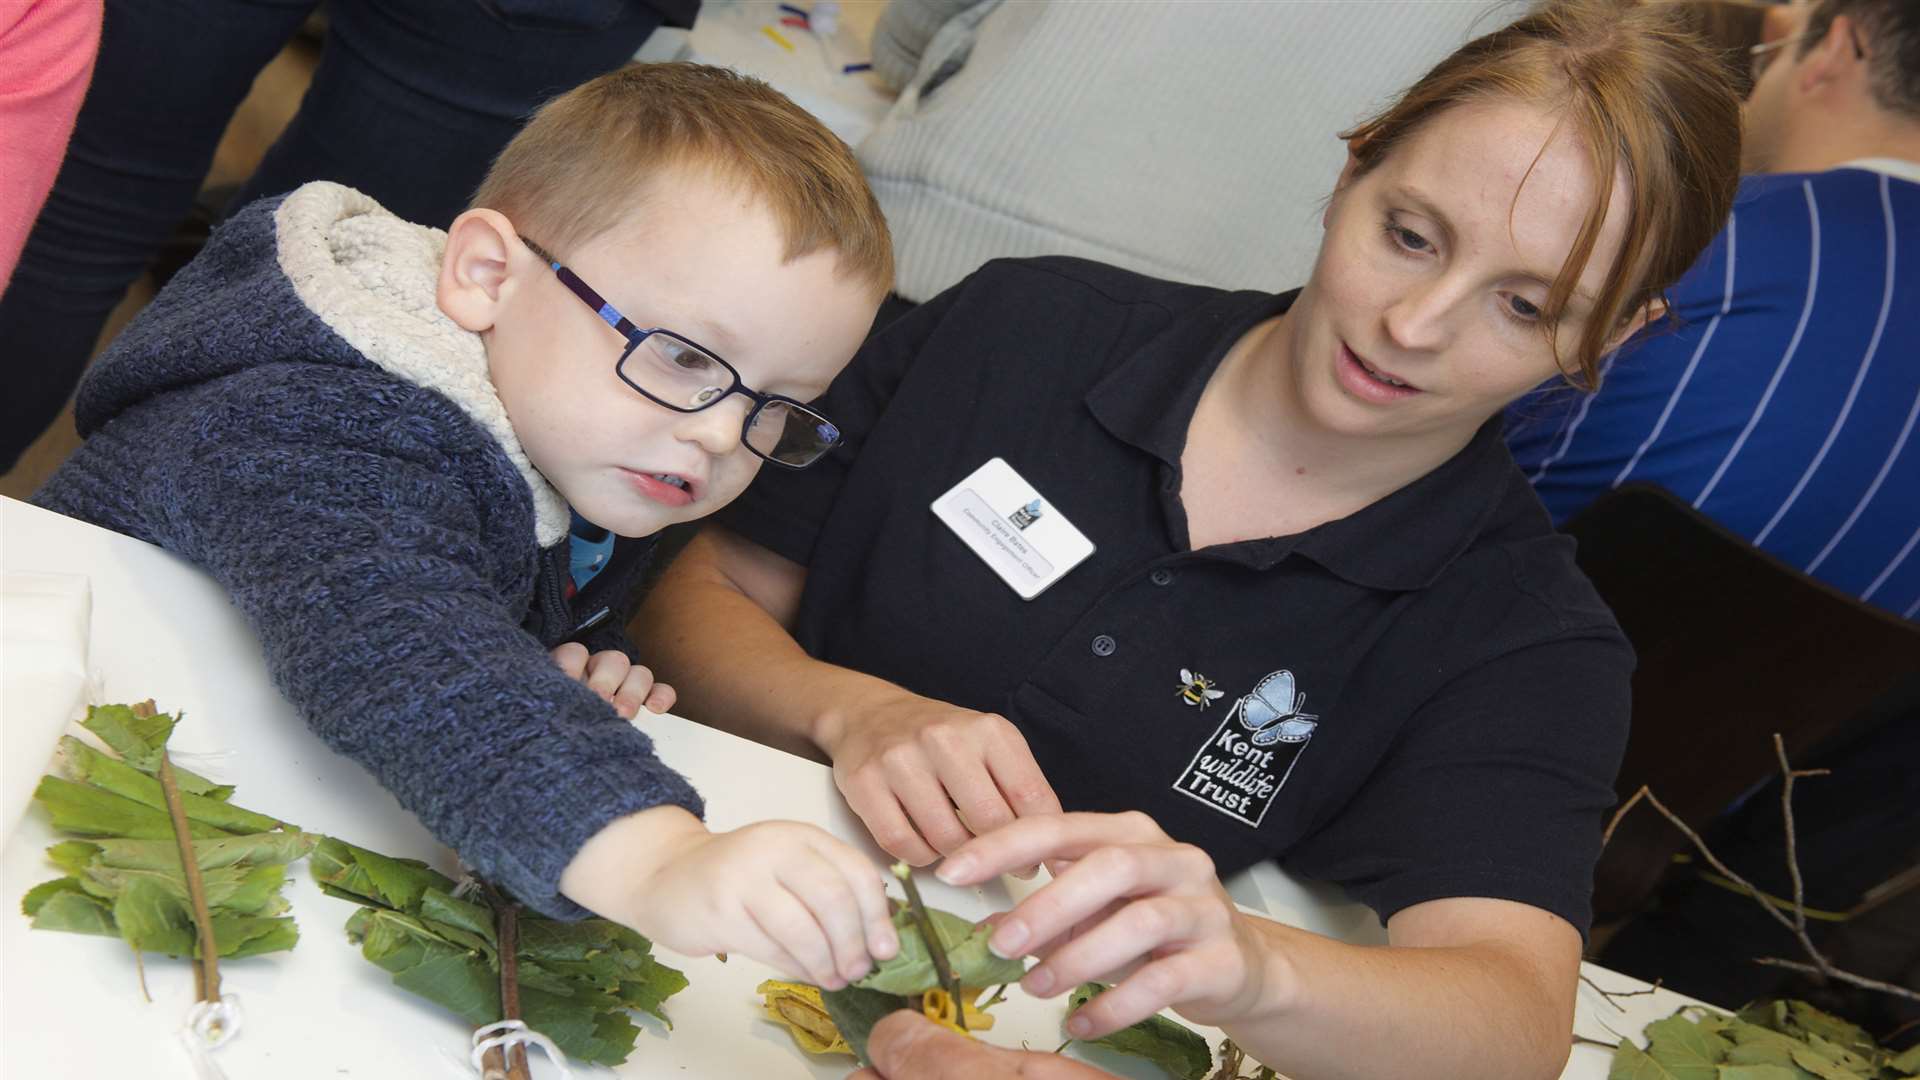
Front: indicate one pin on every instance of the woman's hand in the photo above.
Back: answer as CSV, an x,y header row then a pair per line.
x,y
926,776
1133,902
905,1045
627,686
789,895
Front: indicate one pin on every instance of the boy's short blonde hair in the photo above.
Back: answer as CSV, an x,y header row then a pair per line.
x,y
585,159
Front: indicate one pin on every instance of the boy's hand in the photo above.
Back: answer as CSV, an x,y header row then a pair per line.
x,y
623,684
926,776
787,894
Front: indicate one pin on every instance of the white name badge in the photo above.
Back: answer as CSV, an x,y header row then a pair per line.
x,y
1019,535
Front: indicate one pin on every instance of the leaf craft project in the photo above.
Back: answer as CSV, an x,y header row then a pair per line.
x,y
577,980
126,877
1770,1040
1173,1046
911,970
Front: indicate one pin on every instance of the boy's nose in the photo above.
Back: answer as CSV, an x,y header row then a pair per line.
x,y
717,429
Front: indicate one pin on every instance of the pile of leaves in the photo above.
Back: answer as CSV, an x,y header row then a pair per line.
x,y
125,877
577,979
1771,1040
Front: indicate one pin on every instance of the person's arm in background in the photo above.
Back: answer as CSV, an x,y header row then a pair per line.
x,y
901,36
47,49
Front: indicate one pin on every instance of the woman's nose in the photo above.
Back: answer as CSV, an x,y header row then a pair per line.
x,y
1417,320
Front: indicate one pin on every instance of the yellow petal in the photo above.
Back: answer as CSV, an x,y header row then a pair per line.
x,y
798,1008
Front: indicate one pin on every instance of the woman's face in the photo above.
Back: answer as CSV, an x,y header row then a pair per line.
x,y
1423,315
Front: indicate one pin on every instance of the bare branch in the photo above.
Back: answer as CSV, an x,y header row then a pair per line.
x,y
1610,995
1832,972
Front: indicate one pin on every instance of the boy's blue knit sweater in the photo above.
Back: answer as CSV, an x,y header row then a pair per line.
x,y
296,416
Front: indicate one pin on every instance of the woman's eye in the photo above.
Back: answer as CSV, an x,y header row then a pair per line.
x,y
1523,309
1407,239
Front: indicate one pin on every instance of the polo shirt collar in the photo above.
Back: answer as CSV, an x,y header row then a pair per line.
x,y
1402,542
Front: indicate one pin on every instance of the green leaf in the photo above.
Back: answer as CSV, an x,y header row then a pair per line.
x,y
911,970
1632,1063
1908,1062
394,883
70,910
1755,1053
1685,1050
211,854
89,766
136,739
443,908
1827,1026
1836,1062
89,811
1758,1072
1167,1043
856,1009
152,919
74,856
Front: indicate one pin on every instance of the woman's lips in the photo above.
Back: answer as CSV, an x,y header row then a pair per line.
x,y
660,491
1367,385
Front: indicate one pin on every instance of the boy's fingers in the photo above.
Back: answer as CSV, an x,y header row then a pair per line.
x,y
869,888
608,671
661,698
788,923
572,658
818,885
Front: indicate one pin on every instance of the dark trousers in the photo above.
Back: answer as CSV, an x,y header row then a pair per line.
x,y
411,102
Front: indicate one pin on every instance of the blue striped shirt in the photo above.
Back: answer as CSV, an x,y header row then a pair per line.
x,y
1784,407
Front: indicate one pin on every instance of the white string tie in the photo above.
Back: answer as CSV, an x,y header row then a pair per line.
x,y
512,1033
210,1025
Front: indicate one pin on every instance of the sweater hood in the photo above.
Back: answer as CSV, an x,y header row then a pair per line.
x,y
323,275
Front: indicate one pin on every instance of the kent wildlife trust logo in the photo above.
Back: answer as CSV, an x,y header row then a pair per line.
x,y
1252,752
1026,515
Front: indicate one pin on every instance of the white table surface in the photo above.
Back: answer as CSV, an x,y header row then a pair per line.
x,y
71,1005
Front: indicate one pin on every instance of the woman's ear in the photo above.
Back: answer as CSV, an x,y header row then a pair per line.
x,y
1348,173
476,273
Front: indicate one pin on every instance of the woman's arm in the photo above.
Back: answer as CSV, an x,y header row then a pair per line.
x,y
925,776
1467,987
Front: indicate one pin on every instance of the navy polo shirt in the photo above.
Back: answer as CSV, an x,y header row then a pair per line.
x,y
1423,700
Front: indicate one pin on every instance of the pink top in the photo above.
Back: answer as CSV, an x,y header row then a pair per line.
x,y
46,58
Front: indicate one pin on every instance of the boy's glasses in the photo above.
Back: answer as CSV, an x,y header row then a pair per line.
x,y
677,373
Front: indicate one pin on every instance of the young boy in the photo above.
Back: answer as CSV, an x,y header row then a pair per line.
x,y
376,436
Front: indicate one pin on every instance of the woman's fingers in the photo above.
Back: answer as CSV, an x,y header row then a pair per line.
x,y
1138,931
1170,980
872,798
1103,876
1016,775
1046,838
911,775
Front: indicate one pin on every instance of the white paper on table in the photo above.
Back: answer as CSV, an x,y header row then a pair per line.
x,y
43,677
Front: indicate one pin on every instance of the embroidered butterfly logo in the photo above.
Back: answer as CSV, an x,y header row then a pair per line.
x,y
1273,712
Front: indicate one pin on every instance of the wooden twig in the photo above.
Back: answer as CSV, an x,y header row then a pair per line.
x,y
206,974
1795,924
936,948
510,1062
1582,1040
1610,995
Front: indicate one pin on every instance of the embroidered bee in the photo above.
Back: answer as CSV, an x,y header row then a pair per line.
x,y
1198,689
1272,712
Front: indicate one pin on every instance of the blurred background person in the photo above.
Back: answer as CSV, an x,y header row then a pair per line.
x,y
46,57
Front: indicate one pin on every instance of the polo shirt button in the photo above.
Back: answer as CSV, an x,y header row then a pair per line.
x,y
1162,576
1104,645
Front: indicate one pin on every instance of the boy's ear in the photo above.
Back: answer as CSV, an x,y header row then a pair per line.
x,y
476,273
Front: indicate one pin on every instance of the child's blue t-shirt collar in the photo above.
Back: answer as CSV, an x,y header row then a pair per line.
x,y
590,548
